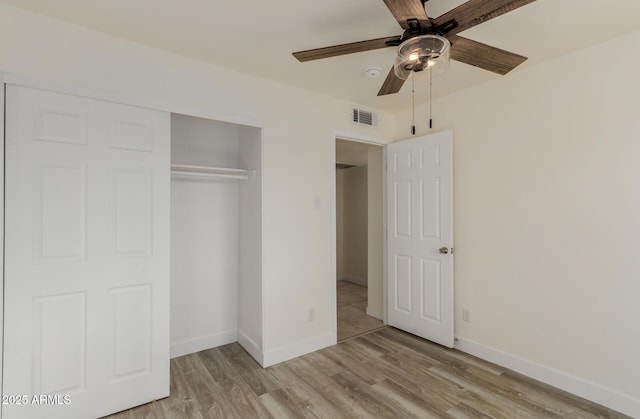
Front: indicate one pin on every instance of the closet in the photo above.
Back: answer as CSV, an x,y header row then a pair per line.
x,y
131,235
216,235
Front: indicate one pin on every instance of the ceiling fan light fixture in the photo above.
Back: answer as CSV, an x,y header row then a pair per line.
x,y
422,52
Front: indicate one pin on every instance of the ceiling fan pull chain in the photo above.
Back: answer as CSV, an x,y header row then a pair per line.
x,y
430,107
413,103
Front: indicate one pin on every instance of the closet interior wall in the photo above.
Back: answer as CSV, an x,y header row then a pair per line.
x,y
354,205
216,236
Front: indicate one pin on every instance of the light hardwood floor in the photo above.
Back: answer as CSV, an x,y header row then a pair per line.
x,y
383,374
352,311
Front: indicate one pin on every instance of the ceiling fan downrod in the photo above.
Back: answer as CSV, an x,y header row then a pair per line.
x,y
415,28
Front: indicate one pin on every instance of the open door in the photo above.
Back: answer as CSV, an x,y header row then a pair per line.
x,y
420,237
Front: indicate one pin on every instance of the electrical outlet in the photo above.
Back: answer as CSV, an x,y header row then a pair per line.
x,y
466,315
312,315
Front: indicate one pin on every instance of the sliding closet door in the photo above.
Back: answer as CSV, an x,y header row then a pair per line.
x,y
87,256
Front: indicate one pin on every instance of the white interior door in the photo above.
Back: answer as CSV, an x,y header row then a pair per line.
x,y
86,256
420,237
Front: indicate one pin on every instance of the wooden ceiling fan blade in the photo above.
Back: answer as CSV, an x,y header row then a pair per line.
x,y
392,84
408,9
474,12
343,49
484,56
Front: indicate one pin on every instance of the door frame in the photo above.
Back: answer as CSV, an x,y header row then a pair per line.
x,y
365,139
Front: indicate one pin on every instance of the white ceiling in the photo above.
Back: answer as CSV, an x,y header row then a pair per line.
x,y
258,36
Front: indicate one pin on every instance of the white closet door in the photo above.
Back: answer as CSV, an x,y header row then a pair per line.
x,y
87,255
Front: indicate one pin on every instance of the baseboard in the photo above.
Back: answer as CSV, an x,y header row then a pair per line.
x,y
612,399
294,350
201,343
354,280
251,347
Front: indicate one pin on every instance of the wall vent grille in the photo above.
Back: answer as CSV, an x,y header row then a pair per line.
x,y
361,116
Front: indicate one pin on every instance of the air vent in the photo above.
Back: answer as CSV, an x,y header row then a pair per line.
x,y
360,116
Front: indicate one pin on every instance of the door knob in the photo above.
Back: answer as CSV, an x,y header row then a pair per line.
x,y
443,250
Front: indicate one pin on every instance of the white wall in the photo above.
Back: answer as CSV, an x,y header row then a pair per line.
x,y
204,142
250,244
355,242
375,231
204,238
204,264
296,150
547,232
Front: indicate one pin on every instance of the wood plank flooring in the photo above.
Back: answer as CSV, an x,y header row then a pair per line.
x,y
352,311
383,374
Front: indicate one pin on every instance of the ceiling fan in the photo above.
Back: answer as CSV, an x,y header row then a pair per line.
x,y
425,39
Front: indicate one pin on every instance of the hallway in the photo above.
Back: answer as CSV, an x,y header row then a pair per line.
x,y
352,306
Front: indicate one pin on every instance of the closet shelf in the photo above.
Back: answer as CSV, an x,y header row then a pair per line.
x,y
208,172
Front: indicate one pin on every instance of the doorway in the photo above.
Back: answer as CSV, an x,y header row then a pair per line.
x,y
417,204
359,238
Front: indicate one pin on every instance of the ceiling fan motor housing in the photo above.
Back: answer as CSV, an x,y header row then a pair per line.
x,y
422,52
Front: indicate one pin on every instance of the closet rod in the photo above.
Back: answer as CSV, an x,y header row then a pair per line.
x,y
209,172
